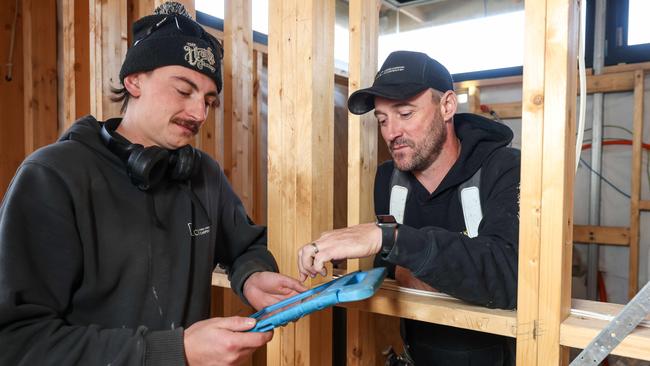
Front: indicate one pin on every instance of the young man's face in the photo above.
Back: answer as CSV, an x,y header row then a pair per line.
x,y
172,105
414,129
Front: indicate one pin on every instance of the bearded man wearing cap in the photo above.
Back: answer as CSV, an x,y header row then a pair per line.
x,y
108,237
447,206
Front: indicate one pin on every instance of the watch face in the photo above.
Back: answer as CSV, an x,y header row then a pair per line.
x,y
386,219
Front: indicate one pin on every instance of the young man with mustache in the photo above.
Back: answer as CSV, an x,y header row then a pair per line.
x,y
430,244
108,237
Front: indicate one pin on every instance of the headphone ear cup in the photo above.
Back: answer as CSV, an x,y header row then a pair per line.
x,y
184,163
147,166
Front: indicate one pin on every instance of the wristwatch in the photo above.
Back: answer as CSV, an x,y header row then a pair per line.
x,y
388,226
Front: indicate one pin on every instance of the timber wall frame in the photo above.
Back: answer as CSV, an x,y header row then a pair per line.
x,y
300,150
543,325
614,79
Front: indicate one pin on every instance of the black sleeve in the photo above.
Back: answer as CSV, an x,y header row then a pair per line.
x,y
41,260
480,270
242,245
381,201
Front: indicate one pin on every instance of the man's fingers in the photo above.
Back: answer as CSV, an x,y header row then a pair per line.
x,y
311,260
301,267
293,284
252,339
235,323
306,261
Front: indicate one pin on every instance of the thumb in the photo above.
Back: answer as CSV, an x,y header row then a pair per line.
x,y
235,323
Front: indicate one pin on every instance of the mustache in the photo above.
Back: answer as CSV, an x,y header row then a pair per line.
x,y
191,125
401,141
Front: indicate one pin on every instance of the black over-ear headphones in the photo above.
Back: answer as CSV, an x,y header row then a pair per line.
x,y
148,166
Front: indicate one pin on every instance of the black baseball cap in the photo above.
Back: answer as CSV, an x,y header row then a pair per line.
x,y
403,75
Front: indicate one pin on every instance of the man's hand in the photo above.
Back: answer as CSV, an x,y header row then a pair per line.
x,y
353,242
262,289
221,341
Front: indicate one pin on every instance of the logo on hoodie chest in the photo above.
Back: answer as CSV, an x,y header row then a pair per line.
x,y
198,231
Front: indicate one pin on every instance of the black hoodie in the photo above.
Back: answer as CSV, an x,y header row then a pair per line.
x,y
431,243
94,271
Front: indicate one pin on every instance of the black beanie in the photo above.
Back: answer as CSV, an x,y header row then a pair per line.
x,y
171,37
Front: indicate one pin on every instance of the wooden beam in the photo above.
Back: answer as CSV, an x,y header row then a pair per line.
x,y
142,8
604,83
577,331
362,163
558,172
610,235
547,180
474,99
610,83
362,130
12,136
259,144
503,110
237,96
300,170
75,100
531,178
644,205
389,300
626,67
108,45
464,85
635,194
40,76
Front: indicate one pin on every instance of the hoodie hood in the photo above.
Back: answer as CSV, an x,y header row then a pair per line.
x,y
86,131
479,138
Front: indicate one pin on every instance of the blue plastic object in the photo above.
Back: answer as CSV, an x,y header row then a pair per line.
x,y
354,286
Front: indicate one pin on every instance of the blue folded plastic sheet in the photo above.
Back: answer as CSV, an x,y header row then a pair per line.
x,y
354,286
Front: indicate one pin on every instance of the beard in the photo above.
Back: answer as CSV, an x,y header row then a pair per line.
x,y
426,152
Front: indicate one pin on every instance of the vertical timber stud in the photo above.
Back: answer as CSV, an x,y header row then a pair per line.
x,y
531,178
301,149
237,106
108,44
238,97
637,123
258,146
546,191
39,58
474,99
76,85
362,163
141,8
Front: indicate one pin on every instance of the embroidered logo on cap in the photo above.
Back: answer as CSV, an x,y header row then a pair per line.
x,y
199,57
390,70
